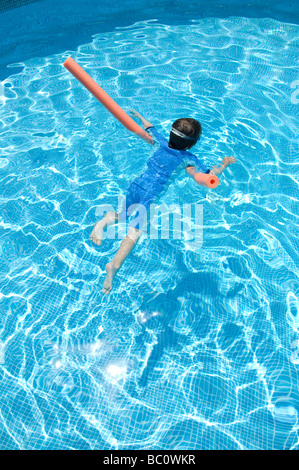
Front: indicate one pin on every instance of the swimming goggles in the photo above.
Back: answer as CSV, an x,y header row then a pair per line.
x,y
183,136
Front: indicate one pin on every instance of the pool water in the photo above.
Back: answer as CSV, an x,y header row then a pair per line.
x,y
194,348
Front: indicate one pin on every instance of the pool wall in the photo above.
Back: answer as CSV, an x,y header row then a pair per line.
x,y
31,30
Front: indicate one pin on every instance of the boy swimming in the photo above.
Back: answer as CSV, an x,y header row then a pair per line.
x,y
185,133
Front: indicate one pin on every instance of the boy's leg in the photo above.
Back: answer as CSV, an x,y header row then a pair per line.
x,y
96,235
123,252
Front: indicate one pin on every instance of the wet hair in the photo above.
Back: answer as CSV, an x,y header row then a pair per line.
x,y
188,126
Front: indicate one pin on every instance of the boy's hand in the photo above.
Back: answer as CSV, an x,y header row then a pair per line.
x,y
228,160
134,113
144,121
225,162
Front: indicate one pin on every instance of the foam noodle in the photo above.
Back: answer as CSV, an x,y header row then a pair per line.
x,y
105,99
204,179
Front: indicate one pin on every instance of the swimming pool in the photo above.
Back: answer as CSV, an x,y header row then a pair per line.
x,y
193,349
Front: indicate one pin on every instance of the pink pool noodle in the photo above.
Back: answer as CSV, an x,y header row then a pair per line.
x,y
211,181
105,99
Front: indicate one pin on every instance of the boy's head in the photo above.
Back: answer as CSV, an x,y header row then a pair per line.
x,y
184,133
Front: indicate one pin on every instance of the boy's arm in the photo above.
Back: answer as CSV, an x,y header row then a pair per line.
x,y
192,169
225,163
145,123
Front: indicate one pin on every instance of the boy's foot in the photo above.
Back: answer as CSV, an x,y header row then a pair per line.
x,y
96,235
111,271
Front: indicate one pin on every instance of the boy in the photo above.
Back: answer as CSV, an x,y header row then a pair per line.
x,y
184,134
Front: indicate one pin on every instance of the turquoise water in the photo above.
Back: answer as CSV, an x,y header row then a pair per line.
x,y
193,349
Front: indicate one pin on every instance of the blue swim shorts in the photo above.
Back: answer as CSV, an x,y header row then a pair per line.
x,y
137,199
